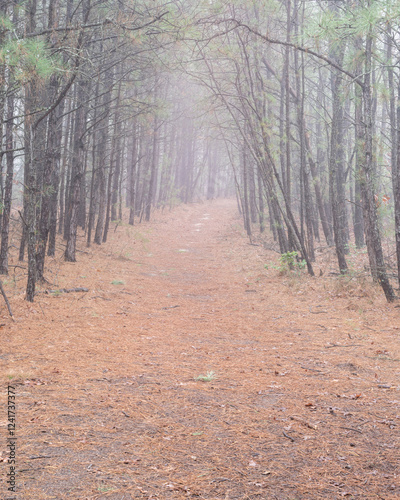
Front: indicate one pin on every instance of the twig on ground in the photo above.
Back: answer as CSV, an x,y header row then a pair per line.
x,y
338,345
304,422
317,312
289,437
351,429
311,369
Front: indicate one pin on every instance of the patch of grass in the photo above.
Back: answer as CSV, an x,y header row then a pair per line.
x,y
125,256
353,284
208,377
18,377
142,239
117,282
105,489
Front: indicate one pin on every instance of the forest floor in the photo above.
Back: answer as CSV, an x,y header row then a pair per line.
x,y
190,370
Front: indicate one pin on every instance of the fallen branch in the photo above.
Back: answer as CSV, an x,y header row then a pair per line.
x,y
66,290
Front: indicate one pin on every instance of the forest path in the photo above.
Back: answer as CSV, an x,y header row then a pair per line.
x,y
304,402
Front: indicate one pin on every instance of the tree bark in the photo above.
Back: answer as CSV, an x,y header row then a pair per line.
x,y
367,181
76,171
153,171
8,185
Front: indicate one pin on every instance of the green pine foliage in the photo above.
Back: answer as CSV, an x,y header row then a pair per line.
x,y
5,24
29,58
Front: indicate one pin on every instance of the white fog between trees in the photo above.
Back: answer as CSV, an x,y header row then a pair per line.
x,y
113,108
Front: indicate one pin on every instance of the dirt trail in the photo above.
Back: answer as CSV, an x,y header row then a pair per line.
x,y
302,400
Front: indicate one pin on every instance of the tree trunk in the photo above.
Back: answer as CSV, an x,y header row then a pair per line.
x,y
260,202
246,208
367,181
117,154
101,164
63,169
153,173
49,165
30,217
132,176
336,160
8,185
76,171
318,195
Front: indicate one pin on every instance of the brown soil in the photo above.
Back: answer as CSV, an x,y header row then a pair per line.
x,y
303,399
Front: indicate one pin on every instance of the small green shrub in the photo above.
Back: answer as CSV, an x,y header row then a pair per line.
x,y
288,260
208,377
